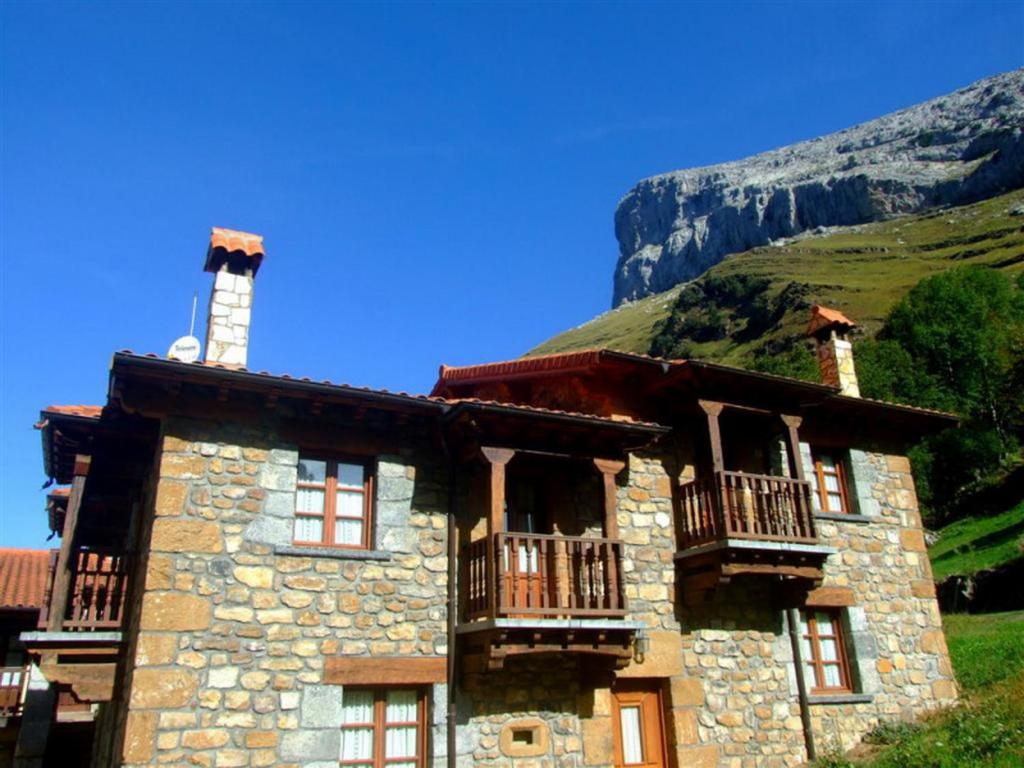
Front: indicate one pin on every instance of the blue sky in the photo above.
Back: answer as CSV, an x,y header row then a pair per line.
x,y
435,182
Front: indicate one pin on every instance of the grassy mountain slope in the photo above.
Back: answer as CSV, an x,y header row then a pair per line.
x,y
861,270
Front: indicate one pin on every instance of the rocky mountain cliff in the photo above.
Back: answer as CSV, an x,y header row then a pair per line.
x,y
956,149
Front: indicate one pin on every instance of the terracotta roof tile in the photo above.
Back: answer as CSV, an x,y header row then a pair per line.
x,y
226,243
23,575
532,366
825,317
86,411
284,377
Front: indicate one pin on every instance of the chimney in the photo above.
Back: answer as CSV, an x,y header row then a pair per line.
x,y
233,258
829,329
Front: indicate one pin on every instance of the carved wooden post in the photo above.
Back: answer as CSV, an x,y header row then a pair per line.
x,y
801,501
62,571
609,468
719,495
496,458
713,411
796,465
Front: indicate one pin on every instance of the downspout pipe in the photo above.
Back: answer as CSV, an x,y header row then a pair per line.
x,y
453,602
792,622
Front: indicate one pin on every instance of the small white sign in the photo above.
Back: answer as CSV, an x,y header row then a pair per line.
x,y
185,349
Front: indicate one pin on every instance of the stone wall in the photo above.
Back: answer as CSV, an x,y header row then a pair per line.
x,y
234,628
566,703
738,660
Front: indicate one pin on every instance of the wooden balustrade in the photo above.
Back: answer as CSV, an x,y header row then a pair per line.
x,y
738,505
99,580
543,576
12,690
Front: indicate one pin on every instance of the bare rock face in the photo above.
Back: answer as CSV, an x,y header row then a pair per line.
x,y
952,150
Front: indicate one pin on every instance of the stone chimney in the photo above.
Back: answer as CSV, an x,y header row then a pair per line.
x,y
829,328
233,258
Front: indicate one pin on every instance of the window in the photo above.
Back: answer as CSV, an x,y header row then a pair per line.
x,y
383,728
333,503
830,483
824,651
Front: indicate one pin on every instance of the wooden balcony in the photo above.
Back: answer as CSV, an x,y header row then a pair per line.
x,y
12,690
79,643
98,582
533,593
738,505
736,524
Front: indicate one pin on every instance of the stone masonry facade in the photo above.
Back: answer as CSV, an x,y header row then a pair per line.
x,y
233,626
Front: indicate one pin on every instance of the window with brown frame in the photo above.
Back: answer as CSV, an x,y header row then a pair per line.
x,y
830,482
825,651
384,728
333,503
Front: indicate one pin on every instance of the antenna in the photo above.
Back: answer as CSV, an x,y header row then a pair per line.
x,y
186,349
192,325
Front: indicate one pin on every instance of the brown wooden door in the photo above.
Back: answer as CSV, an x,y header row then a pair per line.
x,y
523,559
637,725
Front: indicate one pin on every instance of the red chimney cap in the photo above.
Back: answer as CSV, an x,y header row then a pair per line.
x,y
824,319
241,251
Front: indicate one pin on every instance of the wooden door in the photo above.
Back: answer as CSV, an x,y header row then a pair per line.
x,y
637,725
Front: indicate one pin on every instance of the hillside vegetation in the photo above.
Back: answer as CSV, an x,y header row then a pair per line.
x,y
862,271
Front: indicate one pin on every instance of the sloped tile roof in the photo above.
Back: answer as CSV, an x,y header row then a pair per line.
x,y
86,411
23,574
823,317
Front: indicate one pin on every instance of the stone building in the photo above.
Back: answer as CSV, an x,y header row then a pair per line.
x,y
588,559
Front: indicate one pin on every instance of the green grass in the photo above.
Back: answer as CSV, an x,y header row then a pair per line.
x,y
861,270
986,730
985,648
974,543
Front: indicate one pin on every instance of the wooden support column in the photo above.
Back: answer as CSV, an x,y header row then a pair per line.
x,y
62,571
713,410
609,468
497,459
796,465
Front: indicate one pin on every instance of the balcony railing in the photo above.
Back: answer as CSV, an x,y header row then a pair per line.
x,y
96,593
12,690
738,505
542,576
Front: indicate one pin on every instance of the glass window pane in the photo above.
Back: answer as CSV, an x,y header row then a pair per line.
x,y
357,743
348,532
829,651
400,741
832,678
827,463
807,650
357,706
309,500
351,474
309,529
312,471
632,745
832,483
401,706
350,504
803,624
824,624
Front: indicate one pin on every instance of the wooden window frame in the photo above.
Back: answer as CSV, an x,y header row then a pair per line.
x,y
839,462
330,487
380,723
816,663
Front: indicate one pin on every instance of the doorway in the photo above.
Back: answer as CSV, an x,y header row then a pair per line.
x,y
638,726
